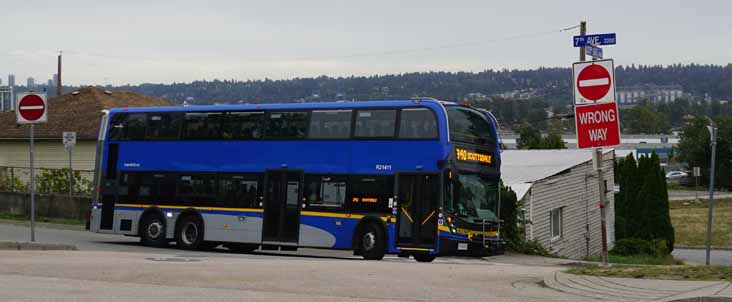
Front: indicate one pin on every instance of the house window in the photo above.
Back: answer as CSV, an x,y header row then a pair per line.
x,y
555,225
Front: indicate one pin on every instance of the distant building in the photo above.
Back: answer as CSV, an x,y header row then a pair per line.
x,y
560,197
628,96
6,99
30,83
11,80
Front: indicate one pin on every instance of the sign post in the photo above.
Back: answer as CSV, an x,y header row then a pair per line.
x,y
69,139
596,112
32,109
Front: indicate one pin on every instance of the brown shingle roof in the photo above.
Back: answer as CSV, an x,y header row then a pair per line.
x,y
79,112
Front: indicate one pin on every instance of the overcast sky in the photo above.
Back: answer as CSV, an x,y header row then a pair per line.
x,y
137,41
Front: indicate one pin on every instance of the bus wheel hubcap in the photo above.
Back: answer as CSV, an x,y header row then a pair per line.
x,y
154,229
369,240
190,233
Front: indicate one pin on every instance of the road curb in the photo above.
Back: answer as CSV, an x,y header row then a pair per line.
x,y
35,246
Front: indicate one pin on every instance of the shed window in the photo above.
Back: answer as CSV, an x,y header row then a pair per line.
x,y
556,220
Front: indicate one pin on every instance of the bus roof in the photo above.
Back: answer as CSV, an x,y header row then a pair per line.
x,y
281,106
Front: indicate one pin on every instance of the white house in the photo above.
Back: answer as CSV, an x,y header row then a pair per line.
x,y
560,197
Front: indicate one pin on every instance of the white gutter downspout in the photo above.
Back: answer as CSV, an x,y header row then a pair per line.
x,y
531,214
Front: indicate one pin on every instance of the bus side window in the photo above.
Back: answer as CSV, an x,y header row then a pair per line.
x,y
379,123
163,125
239,191
196,189
202,125
243,125
134,126
330,124
325,191
417,123
370,193
117,127
289,125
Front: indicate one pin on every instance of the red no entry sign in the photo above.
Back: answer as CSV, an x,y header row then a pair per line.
x,y
594,82
31,109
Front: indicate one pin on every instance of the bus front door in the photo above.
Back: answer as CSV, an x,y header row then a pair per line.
x,y
417,199
283,201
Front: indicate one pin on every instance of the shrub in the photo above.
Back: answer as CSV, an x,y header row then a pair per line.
x,y
633,247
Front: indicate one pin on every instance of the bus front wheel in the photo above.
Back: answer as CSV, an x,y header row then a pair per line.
x,y
372,242
424,257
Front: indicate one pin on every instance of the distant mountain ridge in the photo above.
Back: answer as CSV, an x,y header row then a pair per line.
x,y
549,84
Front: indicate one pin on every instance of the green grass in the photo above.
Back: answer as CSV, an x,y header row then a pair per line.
x,y
663,272
640,259
690,223
9,216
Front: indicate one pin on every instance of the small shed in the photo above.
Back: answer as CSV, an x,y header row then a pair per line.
x,y
559,194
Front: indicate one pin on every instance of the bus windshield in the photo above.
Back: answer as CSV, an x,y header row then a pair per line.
x,y
469,126
476,198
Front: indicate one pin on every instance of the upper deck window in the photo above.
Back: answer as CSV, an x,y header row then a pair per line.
x,y
243,125
417,123
163,125
469,126
330,124
287,124
203,125
376,123
128,126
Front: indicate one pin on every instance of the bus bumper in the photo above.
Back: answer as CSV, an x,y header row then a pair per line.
x,y
474,248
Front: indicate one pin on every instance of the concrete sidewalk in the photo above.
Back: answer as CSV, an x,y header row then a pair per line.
x,y
625,289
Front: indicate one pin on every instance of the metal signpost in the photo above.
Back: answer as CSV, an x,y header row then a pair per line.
x,y
69,139
713,139
596,112
32,109
697,173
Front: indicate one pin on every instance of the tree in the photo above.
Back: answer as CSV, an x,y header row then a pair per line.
x,y
625,200
529,137
695,150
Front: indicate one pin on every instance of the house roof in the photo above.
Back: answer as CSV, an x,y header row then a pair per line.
x,y
521,168
78,111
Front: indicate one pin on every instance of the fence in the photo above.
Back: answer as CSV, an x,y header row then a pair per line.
x,y
48,181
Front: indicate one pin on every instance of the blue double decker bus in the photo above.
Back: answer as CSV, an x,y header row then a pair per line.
x,y
415,177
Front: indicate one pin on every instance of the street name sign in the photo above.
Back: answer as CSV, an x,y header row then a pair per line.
x,y
594,40
69,139
597,125
594,82
594,52
31,109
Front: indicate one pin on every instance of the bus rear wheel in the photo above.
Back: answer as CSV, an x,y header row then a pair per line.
x,y
424,257
372,241
189,233
152,231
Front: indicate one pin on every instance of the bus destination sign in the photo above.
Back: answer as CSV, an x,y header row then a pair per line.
x,y
474,156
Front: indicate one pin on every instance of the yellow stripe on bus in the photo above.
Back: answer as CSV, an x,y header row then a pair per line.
x,y
251,210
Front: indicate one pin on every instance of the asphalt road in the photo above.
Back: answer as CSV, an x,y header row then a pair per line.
x,y
698,256
118,268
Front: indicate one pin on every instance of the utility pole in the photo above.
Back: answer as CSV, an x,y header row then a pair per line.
x,y
58,80
598,160
713,139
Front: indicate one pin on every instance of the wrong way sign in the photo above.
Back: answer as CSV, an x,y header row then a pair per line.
x,y
31,109
597,125
594,82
